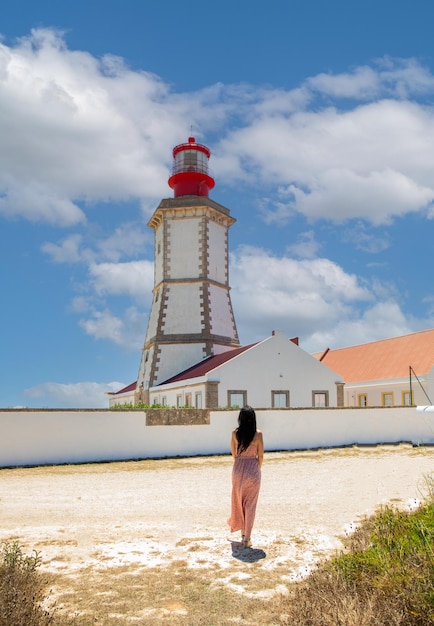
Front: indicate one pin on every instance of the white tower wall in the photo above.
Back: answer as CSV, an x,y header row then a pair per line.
x,y
220,301
183,313
158,255
218,246
183,248
191,315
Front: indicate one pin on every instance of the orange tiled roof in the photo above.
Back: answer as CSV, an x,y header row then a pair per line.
x,y
385,359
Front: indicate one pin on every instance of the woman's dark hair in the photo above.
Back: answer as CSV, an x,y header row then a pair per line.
x,y
246,428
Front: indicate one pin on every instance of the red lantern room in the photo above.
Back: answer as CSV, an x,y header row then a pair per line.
x,y
190,175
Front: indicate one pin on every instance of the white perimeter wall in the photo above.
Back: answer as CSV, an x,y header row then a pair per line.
x,y
39,437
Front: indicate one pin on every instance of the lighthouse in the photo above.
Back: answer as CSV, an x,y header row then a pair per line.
x,y
191,316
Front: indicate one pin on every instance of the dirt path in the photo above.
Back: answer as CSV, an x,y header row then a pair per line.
x,y
158,511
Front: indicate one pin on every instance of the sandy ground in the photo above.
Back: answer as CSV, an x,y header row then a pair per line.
x,y
158,511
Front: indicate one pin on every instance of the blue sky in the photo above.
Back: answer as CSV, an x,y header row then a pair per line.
x,y
320,120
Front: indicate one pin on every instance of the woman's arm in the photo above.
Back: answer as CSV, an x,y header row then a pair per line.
x,y
260,444
234,444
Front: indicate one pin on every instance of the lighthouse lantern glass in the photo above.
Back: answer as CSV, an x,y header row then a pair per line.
x,y
191,161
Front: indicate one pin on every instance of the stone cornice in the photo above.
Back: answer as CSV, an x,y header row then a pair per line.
x,y
190,206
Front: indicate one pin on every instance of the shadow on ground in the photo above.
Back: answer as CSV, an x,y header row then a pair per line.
x,y
247,555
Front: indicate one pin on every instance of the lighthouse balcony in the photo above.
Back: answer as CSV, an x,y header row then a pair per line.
x,y
201,168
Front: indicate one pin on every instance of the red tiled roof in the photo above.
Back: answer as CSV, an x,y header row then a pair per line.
x,y
382,360
125,389
208,364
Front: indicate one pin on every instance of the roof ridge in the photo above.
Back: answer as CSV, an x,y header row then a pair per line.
x,y
200,369
370,343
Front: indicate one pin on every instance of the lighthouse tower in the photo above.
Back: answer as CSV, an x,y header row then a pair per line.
x,y
191,316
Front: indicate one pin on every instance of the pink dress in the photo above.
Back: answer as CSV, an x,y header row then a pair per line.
x,y
246,481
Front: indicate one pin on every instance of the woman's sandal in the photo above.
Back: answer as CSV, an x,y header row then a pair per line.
x,y
246,543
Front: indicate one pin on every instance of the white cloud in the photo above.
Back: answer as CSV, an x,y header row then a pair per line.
x,y
135,278
399,78
269,293
382,320
404,77
370,162
127,331
378,196
126,241
86,395
69,250
73,129
313,299
363,82
306,247
131,280
429,301
36,202
364,239
81,305
78,130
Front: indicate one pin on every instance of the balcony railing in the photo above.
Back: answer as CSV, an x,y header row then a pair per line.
x,y
191,167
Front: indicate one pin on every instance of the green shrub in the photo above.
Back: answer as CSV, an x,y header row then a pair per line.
x,y
141,405
385,578
398,565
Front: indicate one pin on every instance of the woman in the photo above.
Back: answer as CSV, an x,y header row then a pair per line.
x,y
247,448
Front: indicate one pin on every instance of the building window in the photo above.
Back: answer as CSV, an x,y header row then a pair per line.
x,y
387,399
406,398
237,399
188,399
179,401
320,399
198,400
158,248
279,399
362,399
164,400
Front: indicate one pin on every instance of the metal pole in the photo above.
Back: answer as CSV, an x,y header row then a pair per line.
x,y
421,386
411,388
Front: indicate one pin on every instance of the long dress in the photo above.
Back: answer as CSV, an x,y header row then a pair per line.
x,y
246,481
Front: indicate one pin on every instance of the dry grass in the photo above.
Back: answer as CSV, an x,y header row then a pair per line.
x,y
22,589
175,595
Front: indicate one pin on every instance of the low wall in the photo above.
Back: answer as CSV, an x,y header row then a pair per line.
x,y
36,437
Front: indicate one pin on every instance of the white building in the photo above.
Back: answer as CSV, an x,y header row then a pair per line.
x,y
273,373
391,372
